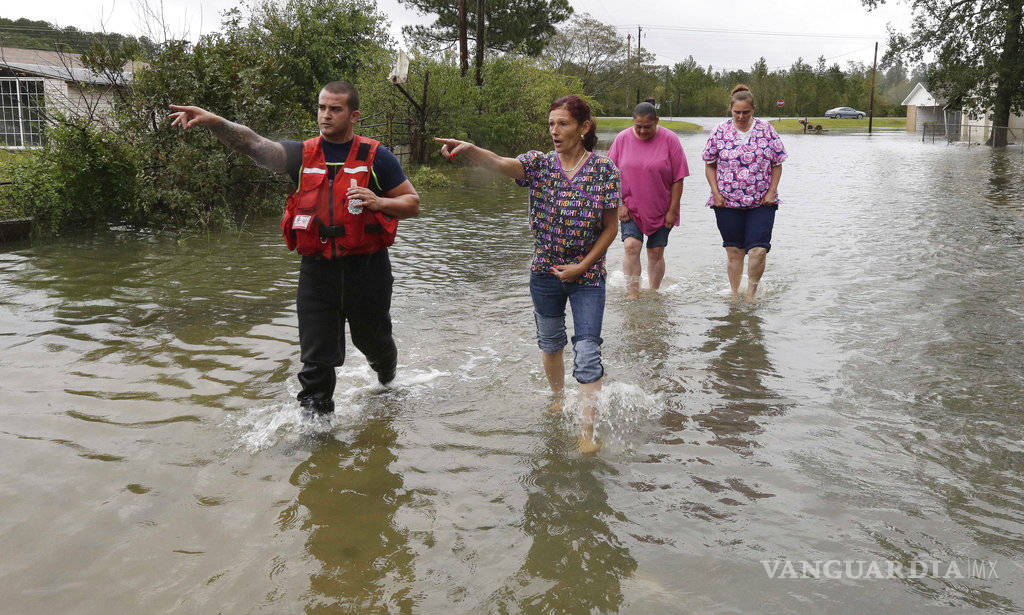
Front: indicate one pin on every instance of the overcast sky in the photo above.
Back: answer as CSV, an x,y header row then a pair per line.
x,y
723,33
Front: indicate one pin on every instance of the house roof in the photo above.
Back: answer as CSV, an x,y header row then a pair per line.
x,y
920,97
67,73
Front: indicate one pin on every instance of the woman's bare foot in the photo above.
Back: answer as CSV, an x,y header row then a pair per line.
x,y
556,404
588,445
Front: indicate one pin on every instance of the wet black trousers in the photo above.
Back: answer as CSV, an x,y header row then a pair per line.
x,y
353,288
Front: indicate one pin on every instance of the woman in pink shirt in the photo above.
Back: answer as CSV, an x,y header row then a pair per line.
x,y
653,166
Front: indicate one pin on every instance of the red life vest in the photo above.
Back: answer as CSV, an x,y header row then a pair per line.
x,y
317,219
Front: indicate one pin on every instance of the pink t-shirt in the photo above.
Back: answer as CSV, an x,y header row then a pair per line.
x,y
649,168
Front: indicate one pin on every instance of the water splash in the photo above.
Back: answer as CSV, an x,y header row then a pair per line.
x,y
285,422
623,412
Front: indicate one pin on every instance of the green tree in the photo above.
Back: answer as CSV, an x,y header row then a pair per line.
x,y
314,42
511,25
799,88
978,46
592,51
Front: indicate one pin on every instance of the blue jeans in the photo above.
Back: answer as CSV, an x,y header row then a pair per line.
x,y
587,302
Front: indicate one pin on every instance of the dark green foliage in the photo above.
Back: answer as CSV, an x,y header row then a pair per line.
x,y
83,177
511,25
508,114
313,43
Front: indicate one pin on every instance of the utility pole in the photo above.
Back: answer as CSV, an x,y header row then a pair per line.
x,y
871,110
638,30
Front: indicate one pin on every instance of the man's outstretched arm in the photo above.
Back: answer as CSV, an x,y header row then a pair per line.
x,y
266,153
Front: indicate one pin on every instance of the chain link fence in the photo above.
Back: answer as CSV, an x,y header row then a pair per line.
x,y
972,134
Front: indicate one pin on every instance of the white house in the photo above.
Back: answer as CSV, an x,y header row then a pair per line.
x,y
33,81
923,107
959,124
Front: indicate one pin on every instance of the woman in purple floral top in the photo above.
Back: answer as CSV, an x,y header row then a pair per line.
x,y
574,200
744,159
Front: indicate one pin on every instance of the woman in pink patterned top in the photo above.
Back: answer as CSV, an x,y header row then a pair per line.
x,y
744,159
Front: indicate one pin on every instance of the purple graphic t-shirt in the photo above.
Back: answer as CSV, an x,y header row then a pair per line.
x,y
744,171
566,219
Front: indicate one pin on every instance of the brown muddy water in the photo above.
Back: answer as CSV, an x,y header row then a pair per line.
x,y
868,409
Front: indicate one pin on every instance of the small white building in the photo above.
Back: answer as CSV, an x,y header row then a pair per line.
x,y
977,127
33,81
957,124
923,107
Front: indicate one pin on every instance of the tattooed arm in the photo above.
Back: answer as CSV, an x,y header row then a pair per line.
x,y
268,154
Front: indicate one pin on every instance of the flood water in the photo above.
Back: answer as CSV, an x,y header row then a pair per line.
x,y
868,408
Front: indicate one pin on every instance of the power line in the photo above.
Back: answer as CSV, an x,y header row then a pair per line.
x,y
750,32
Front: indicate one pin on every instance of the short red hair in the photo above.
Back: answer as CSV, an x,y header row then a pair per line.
x,y
580,111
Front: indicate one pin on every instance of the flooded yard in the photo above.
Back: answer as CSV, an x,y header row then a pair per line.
x,y
868,408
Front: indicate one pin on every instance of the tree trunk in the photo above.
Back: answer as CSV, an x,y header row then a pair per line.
x,y
479,42
1007,86
463,39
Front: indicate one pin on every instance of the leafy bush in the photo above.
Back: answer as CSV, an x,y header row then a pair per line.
x,y
507,115
10,204
83,177
428,177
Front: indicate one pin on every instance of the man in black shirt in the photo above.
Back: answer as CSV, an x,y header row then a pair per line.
x,y
354,288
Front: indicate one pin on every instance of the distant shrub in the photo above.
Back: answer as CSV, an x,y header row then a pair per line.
x,y
429,177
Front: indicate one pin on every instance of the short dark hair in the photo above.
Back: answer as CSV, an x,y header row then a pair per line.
x,y
580,111
645,109
346,88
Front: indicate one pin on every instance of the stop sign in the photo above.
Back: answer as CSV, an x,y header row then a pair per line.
x,y
779,103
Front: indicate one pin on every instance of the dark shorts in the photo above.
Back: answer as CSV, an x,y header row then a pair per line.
x,y
657,239
746,228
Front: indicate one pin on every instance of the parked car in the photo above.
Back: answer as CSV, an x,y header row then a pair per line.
x,y
847,112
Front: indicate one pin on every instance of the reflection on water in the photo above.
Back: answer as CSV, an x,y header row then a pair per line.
x,y
1006,182
575,563
646,338
347,502
737,373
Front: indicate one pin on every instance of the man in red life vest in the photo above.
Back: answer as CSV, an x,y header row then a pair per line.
x,y
350,192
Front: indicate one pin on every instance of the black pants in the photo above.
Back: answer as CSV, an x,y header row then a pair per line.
x,y
355,288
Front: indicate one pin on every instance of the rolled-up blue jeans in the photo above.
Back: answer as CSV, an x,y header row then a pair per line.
x,y
587,302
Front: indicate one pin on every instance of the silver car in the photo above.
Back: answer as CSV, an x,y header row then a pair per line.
x,y
845,112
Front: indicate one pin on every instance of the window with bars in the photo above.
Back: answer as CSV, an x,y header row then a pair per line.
x,y
22,109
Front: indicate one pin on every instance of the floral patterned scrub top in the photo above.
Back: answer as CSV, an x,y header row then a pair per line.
x,y
744,172
566,219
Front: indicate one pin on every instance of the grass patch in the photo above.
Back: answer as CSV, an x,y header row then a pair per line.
x,y
609,124
791,124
